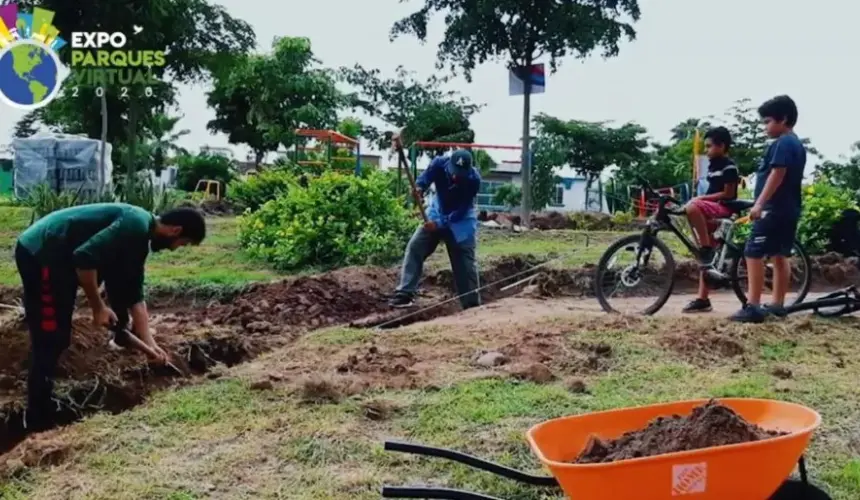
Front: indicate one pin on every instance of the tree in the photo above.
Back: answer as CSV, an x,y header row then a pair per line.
x,y
662,166
261,100
687,128
195,34
520,33
589,148
161,140
844,174
423,108
350,127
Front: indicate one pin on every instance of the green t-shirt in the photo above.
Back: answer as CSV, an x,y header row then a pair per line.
x,y
112,238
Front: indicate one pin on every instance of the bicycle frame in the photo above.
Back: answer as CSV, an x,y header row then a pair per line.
x,y
661,221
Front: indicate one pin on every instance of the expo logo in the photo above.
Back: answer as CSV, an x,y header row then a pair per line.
x,y
98,39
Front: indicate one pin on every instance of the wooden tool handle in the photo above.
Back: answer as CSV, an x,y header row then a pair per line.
x,y
404,164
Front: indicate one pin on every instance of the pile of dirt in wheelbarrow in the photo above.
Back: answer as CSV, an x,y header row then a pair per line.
x,y
707,426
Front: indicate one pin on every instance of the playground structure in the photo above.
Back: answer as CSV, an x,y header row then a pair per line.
x,y
328,142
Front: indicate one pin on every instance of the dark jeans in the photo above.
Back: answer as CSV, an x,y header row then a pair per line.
x,y
49,301
463,264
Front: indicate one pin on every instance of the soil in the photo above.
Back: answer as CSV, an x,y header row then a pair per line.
x,y
707,426
206,336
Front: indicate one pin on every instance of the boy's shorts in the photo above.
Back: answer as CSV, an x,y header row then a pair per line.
x,y
772,236
712,209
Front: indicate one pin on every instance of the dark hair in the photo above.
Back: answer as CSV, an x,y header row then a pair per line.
x,y
189,219
780,108
720,135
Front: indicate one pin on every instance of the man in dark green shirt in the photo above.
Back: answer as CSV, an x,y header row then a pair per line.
x,y
85,245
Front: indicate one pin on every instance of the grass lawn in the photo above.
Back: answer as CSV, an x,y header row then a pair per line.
x,y
223,439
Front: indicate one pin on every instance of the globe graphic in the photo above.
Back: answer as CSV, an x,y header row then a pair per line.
x,y
28,74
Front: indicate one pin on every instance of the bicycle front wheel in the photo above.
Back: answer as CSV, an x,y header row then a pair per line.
x,y
629,283
799,282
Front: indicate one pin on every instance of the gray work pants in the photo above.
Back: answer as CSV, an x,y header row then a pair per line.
x,y
464,264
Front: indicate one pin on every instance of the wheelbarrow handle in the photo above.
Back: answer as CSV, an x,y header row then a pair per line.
x,y
422,492
471,461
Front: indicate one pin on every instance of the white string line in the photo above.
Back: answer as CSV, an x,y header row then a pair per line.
x,y
488,285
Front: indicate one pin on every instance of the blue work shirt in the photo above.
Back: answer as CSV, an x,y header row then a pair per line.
x,y
453,206
789,153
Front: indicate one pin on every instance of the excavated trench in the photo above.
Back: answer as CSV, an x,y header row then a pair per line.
x,y
93,378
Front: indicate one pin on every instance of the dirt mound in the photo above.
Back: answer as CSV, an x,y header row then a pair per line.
x,y
834,270
313,301
709,425
704,345
379,368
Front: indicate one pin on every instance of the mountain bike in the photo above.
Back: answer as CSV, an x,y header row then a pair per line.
x,y
727,271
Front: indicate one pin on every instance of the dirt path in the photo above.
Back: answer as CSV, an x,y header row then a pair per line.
x,y
517,309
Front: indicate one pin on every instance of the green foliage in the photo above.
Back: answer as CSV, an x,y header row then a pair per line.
x,y
623,219
508,195
350,127
687,128
422,107
588,147
193,168
822,206
521,32
338,220
253,192
483,161
664,166
844,174
260,100
44,199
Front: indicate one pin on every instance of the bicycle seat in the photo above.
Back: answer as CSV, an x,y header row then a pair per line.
x,y
737,206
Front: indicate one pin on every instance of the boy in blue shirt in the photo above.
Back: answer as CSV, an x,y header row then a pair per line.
x,y
451,218
776,211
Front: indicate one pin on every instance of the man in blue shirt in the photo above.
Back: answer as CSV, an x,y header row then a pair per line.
x,y
451,218
776,211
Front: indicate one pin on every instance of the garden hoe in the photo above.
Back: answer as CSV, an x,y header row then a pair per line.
x,y
123,337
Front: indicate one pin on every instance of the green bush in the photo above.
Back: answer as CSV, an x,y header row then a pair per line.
x,y
822,206
44,199
253,192
338,220
193,168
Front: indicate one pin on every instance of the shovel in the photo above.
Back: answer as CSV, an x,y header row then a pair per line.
x,y
123,337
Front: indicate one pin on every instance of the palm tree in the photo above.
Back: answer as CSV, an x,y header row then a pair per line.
x,y
688,127
161,140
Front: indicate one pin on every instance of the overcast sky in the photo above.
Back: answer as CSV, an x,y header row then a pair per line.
x,y
691,58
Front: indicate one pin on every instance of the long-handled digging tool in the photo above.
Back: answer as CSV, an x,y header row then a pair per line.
x,y
401,159
123,337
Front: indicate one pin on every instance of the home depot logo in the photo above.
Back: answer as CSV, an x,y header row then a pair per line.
x,y
689,479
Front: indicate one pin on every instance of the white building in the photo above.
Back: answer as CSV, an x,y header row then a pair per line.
x,y
570,193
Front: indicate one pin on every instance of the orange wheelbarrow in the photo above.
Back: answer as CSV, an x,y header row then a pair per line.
x,y
757,470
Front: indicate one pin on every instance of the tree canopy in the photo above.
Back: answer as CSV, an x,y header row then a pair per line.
x,y
425,109
260,100
520,33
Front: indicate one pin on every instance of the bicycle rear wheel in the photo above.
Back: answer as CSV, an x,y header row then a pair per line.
x,y
645,285
798,288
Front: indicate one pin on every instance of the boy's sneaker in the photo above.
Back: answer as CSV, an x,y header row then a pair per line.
x,y
749,314
698,306
775,310
402,300
706,257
